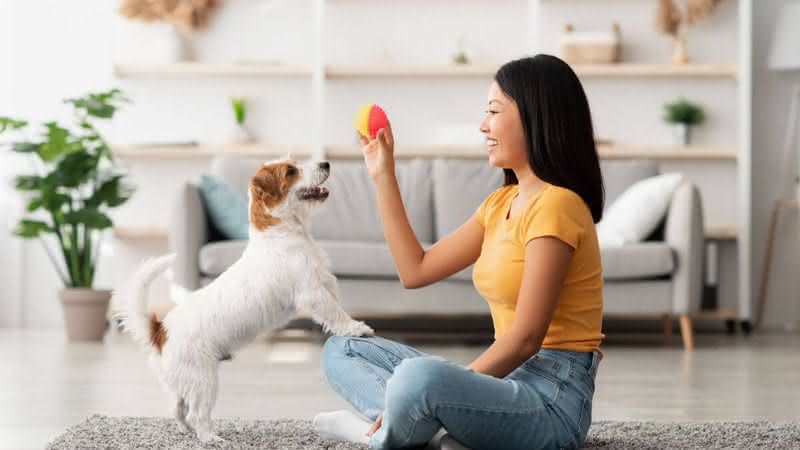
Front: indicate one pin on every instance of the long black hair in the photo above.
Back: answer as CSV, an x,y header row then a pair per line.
x,y
559,137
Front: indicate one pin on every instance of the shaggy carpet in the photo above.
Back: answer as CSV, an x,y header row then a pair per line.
x,y
158,432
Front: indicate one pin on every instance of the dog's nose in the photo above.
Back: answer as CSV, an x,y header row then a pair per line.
x,y
325,165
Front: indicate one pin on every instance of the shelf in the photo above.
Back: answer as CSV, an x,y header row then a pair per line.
x,y
666,153
341,71
663,153
139,233
350,71
642,70
197,69
178,152
722,233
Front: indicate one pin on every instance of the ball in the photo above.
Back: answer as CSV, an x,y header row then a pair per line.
x,y
369,119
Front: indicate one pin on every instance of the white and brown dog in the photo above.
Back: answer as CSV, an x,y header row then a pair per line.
x,y
282,271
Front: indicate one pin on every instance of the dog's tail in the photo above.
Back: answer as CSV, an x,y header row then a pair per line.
x,y
132,301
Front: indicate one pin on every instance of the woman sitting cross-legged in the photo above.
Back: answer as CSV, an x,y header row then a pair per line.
x,y
536,262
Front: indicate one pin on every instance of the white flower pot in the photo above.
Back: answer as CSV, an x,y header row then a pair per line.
x,y
682,133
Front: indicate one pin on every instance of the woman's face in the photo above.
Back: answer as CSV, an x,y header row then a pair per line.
x,y
505,139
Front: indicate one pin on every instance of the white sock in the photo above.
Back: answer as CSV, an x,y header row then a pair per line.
x,y
342,425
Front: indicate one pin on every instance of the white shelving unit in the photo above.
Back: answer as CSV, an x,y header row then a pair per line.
x,y
320,72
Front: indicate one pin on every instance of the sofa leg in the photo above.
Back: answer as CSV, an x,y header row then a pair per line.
x,y
667,329
686,331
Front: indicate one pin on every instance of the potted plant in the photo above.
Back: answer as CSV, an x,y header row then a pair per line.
x,y
240,134
683,115
75,185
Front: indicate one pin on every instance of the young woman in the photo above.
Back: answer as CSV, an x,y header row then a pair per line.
x,y
537,264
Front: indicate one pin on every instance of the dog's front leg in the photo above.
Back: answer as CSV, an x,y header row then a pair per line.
x,y
322,299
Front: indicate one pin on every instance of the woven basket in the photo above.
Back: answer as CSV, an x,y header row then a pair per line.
x,y
594,48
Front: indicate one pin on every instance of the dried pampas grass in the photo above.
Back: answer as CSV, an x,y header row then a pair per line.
x,y
187,14
697,10
668,17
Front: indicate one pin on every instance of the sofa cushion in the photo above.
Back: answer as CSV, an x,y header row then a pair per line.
x,y
235,170
459,187
226,207
360,258
636,213
637,261
348,258
351,212
619,175
216,257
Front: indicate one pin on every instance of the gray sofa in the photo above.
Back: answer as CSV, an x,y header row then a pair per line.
x,y
659,278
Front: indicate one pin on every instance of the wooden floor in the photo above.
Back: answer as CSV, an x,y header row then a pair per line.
x,y
47,385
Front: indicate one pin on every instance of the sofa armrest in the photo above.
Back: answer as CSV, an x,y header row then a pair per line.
x,y
188,232
685,234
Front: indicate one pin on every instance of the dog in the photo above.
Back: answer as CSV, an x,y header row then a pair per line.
x,y
281,272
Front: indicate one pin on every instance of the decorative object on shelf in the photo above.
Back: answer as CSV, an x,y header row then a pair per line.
x,y
186,17
587,47
683,115
76,185
369,120
240,134
461,57
671,21
784,57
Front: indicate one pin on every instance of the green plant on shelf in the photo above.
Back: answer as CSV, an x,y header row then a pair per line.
x,y
75,185
239,109
682,111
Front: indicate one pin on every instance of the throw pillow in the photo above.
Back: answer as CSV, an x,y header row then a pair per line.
x,y
637,212
226,207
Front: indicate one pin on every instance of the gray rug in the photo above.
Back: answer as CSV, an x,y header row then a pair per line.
x,y
157,432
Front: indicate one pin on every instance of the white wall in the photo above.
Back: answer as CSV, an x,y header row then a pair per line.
x,y
60,50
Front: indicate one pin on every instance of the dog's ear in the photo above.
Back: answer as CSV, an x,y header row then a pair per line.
x,y
266,186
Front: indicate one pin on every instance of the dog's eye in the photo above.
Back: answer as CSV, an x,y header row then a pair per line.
x,y
291,170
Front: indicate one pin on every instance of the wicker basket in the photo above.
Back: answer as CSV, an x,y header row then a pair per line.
x,y
591,48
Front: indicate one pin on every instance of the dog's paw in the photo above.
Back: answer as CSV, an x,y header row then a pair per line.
x,y
183,427
356,328
209,437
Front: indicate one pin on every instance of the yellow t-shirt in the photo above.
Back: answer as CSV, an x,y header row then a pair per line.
x,y
497,274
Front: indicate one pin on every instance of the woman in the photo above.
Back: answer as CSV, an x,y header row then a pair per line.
x,y
537,264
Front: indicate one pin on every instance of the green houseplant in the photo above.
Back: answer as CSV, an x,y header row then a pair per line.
x,y
240,134
683,115
75,184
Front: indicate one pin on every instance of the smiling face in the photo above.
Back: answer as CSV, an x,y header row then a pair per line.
x,y
505,139
284,189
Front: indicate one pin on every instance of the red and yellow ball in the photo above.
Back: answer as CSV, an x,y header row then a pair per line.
x,y
369,119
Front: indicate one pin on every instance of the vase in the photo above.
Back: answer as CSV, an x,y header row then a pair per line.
x,y
683,133
184,50
85,312
680,55
239,134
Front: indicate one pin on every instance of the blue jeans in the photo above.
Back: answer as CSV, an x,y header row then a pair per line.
x,y
544,403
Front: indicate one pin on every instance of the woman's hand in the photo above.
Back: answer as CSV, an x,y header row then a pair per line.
x,y
375,426
379,153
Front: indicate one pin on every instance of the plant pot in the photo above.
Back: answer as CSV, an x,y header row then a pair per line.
x,y
239,134
85,312
683,133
